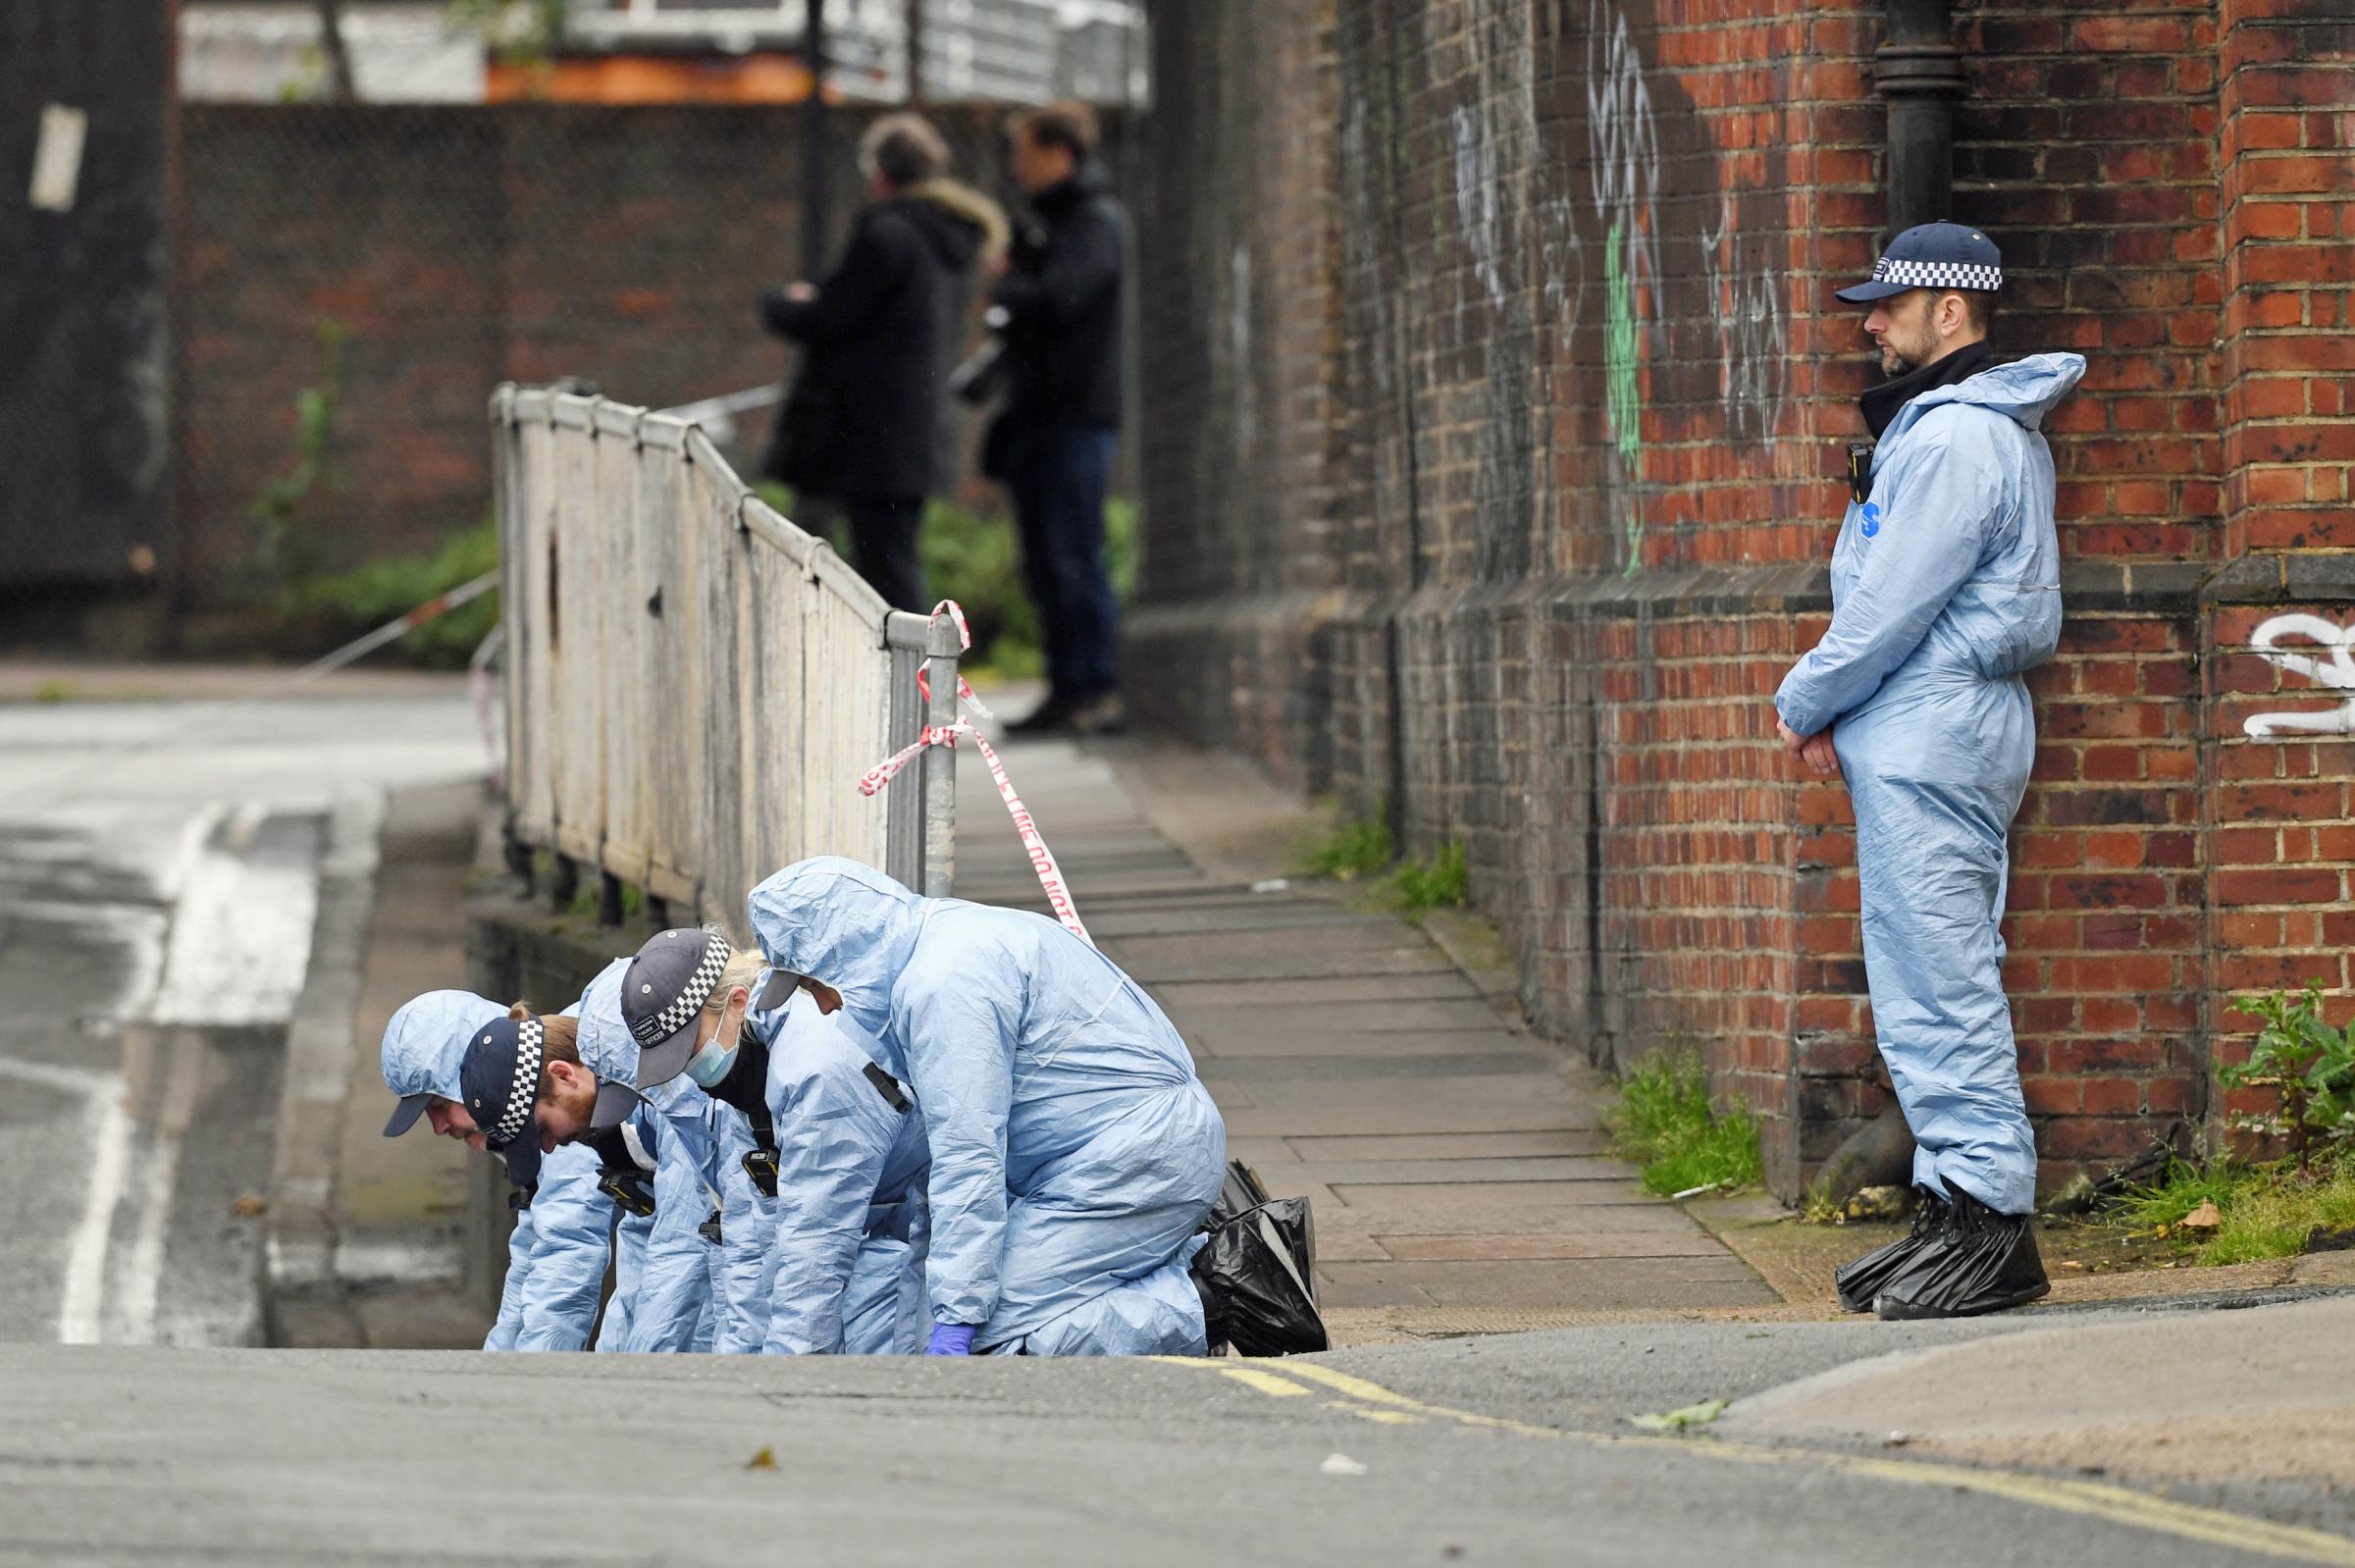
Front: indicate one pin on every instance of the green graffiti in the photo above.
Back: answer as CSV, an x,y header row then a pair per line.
x,y
1623,407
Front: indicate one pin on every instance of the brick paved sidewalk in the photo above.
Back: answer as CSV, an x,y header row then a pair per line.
x,y
1457,1164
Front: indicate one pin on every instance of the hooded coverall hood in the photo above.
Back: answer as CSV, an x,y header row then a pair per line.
x,y
844,925
2024,389
425,1041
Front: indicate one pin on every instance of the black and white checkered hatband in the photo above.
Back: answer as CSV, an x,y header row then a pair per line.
x,y
1937,275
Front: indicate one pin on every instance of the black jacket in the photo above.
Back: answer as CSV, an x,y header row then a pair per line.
x,y
1063,305
879,341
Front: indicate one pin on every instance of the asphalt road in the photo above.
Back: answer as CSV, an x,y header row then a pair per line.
x,y
158,879
1511,1450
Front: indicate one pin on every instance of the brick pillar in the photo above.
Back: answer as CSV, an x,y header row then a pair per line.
x,y
2281,823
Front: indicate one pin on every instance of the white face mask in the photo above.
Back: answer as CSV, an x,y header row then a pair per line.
x,y
712,1062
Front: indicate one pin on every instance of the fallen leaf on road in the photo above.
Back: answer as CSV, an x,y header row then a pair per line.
x,y
764,1460
1699,1415
248,1206
2204,1218
1340,1464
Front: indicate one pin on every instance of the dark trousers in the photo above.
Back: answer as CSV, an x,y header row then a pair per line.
x,y
883,548
1059,474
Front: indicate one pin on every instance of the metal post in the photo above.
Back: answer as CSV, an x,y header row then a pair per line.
x,y
815,203
1919,71
940,763
915,51
564,884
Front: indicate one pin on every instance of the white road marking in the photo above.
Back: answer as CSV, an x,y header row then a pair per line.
x,y
241,934
138,1286
79,1313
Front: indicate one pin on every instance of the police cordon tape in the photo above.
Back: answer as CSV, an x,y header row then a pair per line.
x,y
1042,859
358,648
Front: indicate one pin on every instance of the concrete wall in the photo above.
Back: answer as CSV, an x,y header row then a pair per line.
x,y
1496,404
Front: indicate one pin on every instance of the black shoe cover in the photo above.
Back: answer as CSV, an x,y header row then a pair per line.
x,y
1861,1278
1979,1261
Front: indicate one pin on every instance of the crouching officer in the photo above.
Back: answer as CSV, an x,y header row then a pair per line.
x,y
569,1202
1946,591
839,1142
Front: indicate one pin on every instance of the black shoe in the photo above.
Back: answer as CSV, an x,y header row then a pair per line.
x,y
1860,1280
1046,718
1980,1261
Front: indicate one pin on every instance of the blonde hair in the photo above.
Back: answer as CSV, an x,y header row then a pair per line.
x,y
743,969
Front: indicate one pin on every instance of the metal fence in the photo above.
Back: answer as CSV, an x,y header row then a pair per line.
x,y
695,685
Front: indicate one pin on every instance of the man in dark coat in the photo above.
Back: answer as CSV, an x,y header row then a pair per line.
x,y
864,425
1054,443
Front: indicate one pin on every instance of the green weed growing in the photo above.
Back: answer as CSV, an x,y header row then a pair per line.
x,y
1666,1125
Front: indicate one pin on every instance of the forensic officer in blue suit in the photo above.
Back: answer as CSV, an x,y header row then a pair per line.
x,y
1074,1150
1946,591
839,1140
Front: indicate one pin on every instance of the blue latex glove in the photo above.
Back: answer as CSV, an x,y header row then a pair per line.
x,y
950,1339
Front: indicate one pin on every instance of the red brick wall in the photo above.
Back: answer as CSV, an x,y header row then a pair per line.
x,y
1580,397
2281,827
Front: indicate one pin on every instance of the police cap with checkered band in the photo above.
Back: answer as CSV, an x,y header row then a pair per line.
x,y
500,1080
667,985
1935,256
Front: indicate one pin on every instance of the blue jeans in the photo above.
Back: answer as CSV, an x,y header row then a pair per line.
x,y
1059,474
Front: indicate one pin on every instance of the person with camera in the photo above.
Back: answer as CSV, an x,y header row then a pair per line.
x,y
1061,299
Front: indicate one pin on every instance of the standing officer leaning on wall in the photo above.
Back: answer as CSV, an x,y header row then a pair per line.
x,y
1945,590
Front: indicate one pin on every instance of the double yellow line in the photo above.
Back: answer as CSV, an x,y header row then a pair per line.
x,y
2213,1527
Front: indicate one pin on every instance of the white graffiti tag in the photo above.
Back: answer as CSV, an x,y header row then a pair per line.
x,y
1754,327
2338,673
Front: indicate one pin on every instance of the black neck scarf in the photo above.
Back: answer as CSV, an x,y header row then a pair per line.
x,y
1881,403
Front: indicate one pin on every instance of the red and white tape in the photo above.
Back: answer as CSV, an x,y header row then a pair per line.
x,y
1042,859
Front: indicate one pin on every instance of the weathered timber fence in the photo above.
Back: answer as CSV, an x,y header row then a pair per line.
x,y
695,685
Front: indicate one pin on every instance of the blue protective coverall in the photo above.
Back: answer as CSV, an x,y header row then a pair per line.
x,y
425,1044
690,1295
1946,589
1074,1152
558,1252
850,1184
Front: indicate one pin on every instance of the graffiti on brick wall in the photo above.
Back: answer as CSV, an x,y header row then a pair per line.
x,y
1476,202
1623,164
1753,328
2337,673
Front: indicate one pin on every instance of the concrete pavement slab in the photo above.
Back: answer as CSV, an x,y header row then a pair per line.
x,y
1720,1281
1344,1045
1314,1021
1328,1070
2160,1395
1459,1173
1449,1146
1549,1246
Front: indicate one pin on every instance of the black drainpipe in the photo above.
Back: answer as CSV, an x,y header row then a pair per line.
x,y
1919,71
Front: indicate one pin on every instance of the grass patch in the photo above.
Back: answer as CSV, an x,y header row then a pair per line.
x,y
1668,1126
2269,1210
367,597
1438,883
1354,850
